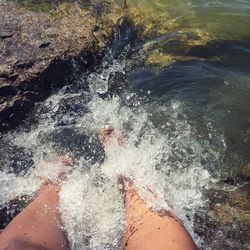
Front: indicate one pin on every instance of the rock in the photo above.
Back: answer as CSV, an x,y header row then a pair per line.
x,y
9,210
245,171
39,51
217,235
230,205
5,34
13,109
7,89
15,159
31,95
5,70
241,175
227,221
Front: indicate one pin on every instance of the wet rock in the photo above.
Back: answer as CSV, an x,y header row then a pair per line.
x,y
245,172
7,89
15,159
227,221
218,236
9,210
70,139
241,175
229,180
40,51
13,110
31,95
230,205
117,80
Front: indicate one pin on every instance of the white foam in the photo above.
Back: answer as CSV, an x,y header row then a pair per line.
x,y
167,161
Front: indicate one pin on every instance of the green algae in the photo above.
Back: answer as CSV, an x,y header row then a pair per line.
x,y
193,23
246,170
176,48
153,21
108,22
222,19
229,206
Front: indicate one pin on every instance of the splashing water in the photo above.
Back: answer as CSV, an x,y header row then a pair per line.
x,y
166,159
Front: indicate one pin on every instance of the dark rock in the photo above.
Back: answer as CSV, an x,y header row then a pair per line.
x,y
117,82
9,210
7,89
70,139
15,159
44,44
13,110
31,95
229,180
4,35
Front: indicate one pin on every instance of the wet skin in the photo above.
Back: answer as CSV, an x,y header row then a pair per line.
x,y
39,225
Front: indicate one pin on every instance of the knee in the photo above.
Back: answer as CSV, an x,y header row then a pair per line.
x,y
19,242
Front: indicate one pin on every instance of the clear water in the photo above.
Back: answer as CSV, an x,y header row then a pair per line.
x,y
224,19
187,127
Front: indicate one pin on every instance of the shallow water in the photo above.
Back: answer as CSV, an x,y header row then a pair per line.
x,y
187,124
223,19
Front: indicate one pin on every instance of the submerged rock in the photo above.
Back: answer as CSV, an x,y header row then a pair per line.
x,y
245,172
40,51
226,223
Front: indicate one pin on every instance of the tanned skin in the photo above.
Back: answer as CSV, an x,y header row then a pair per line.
x,y
146,229
39,226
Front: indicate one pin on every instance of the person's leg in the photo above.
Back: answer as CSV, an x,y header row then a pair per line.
x,y
146,229
39,225
149,230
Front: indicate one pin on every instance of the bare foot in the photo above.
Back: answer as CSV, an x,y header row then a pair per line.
x,y
54,170
105,134
109,135
64,160
39,224
66,163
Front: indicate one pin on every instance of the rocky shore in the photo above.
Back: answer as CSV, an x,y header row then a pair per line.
x,y
39,51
